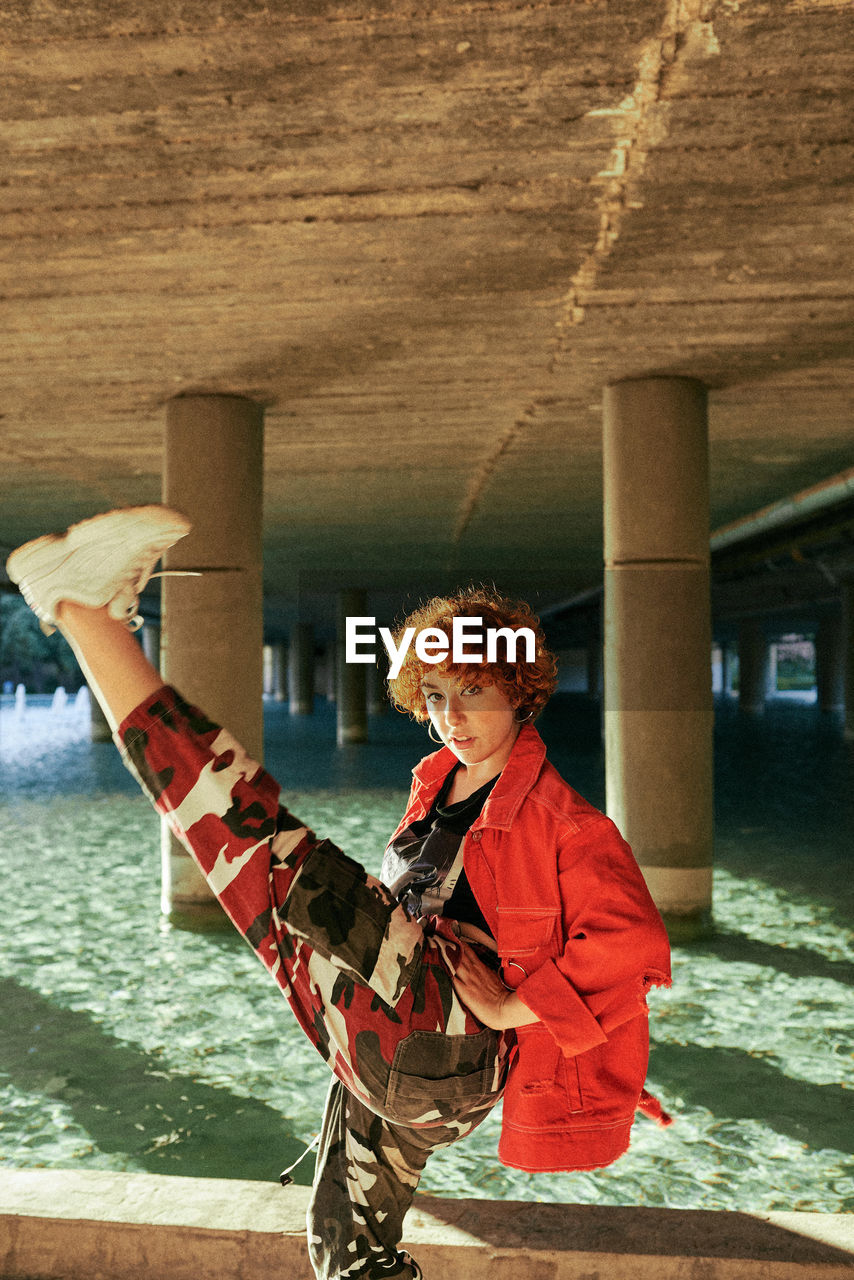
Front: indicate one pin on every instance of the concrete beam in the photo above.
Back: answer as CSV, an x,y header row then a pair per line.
x,y
96,1225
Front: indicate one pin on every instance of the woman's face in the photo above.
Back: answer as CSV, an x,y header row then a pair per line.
x,y
476,722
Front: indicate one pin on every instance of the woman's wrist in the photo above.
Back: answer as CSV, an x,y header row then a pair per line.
x,y
513,1012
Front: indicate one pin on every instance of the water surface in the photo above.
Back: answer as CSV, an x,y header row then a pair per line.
x,y
132,1045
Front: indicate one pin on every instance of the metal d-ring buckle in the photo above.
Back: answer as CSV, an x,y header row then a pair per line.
x,y
515,965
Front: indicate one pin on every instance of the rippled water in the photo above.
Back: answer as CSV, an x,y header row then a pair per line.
x,y
131,1045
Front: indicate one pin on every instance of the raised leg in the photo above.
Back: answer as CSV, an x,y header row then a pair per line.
x,y
116,669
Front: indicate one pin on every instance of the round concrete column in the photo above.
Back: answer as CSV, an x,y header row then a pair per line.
x,y
378,703
301,670
99,725
330,672
847,643
280,671
594,667
212,625
754,666
352,683
274,662
267,670
726,669
830,663
658,689
150,640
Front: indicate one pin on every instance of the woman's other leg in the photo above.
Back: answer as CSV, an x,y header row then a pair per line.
x,y
367,1173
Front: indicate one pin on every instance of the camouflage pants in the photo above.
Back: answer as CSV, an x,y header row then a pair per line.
x,y
414,1070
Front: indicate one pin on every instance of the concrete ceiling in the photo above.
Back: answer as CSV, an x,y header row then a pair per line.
x,y
425,240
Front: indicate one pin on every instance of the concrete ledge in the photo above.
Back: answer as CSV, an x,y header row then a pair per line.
x,y
69,1225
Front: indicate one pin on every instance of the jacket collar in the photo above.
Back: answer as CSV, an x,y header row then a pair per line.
x,y
515,781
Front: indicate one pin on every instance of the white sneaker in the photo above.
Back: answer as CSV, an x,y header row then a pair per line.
x,y
106,560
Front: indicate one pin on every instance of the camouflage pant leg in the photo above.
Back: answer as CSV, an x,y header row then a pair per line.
x,y
370,990
367,1172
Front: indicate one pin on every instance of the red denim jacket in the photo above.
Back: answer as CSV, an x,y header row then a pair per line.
x,y
580,941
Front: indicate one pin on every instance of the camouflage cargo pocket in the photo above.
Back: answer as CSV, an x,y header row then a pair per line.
x,y
436,1077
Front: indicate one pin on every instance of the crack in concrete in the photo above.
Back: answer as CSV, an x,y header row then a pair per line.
x,y
642,129
484,474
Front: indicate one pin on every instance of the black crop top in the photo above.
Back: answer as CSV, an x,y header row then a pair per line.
x,y
423,866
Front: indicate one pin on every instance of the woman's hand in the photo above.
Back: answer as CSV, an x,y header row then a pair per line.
x,y
482,992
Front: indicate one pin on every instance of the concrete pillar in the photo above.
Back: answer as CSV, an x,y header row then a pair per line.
x,y
149,638
274,661
330,672
754,666
658,699
830,663
212,626
594,666
352,683
301,670
726,668
280,671
99,728
848,653
718,660
377,674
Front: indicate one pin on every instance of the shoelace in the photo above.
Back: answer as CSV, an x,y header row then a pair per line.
x,y
136,620
285,1176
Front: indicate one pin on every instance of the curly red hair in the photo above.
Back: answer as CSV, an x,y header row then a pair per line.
x,y
527,685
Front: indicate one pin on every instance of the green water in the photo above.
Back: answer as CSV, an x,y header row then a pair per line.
x,y
131,1045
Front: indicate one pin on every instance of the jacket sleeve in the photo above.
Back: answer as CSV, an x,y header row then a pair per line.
x,y
614,945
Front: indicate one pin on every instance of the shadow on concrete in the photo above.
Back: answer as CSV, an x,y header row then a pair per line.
x,y
131,1104
734,1085
798,962
628,1232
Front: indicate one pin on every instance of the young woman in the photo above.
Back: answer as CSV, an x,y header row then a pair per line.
x,y
507,950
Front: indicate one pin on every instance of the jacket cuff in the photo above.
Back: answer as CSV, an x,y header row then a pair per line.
x,y
549,995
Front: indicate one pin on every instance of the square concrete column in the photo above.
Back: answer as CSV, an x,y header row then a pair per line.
x,y
352,706
301,670
212,625
658,688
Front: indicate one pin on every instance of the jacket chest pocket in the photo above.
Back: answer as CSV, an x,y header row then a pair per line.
x,y
526,939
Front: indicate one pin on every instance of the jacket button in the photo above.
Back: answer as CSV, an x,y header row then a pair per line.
x,y
475,835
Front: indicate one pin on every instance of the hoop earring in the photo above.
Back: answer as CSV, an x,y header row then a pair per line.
x,y
523,719
430,735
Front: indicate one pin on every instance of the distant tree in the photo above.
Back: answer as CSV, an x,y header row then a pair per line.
x,y
796,662
28,656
